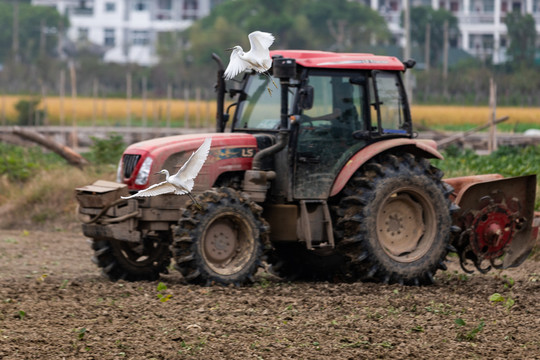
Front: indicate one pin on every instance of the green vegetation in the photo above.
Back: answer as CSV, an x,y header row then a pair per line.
x,y
19,163
471,334
31,19
162,295
423,15
507,161
522,36
508,302
28,113
106,151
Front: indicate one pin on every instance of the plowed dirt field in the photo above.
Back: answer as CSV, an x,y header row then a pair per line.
x,y
54,304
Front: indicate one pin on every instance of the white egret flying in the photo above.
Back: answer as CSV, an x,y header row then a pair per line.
x,y
182,182
257,58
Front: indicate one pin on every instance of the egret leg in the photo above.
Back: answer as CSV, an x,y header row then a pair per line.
x,y
269,77
194,201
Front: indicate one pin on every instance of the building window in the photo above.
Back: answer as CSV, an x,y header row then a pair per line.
x,y
190,9
191,4
140,5
165,4
140,37
110,7
109,38
82,34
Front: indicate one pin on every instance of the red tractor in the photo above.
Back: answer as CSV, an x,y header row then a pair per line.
x,y
323,178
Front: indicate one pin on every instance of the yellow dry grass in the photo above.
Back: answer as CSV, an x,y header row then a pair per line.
x,y
47,198
115,111
108,111
432,115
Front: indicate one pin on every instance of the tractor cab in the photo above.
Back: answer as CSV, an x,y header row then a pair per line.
x,y
332,109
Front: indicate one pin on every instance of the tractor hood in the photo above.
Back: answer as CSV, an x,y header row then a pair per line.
x,y
228,152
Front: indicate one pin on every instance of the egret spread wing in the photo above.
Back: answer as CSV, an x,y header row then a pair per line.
x,y
236,65
156,189
259,54
184,177
260,41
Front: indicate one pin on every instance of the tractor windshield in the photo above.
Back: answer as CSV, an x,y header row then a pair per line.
x,y
260,108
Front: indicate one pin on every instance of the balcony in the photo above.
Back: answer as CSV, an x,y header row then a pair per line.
x,y
163,15
82,11
392,17
477,18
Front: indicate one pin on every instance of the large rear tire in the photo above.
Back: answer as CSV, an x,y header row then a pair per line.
x,y
221,243
133,261
394,220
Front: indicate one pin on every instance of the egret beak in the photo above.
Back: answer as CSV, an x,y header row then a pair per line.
x,y
157,173
229,49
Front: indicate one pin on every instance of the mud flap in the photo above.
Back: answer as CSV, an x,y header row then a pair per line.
x,y
515,198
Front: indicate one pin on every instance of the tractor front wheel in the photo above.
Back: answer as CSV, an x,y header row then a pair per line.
x,y
394,219
133,261
222,242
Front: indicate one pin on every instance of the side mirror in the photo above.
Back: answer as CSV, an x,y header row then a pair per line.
x,y
305,102
358,80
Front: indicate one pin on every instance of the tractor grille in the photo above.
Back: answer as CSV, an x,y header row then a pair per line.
x,y
129,163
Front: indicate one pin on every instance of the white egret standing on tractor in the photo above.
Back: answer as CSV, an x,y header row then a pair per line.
x,y
257,58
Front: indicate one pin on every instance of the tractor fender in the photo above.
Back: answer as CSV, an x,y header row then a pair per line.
x,y
423,147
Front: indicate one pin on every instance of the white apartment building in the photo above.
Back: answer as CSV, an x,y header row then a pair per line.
x,y
128,29
483,32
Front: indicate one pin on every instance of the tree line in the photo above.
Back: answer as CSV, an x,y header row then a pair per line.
x,y
31,61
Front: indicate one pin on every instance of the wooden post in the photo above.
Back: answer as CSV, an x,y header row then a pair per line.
x,y
128,98
427,49
94,101
156,115
208,110
427,55
15,39
492,143
44,100
198,107
73,75
103,105
169,98
42,38
445,58
186,107
3,111
62,96
144,96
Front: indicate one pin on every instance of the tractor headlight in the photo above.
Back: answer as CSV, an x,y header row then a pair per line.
x,y
119,177
144,171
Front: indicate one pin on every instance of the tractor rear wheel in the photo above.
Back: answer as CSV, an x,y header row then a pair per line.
x,y
222,242
133,261
394,219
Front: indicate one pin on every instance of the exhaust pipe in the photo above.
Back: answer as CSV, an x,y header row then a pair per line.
x,y
284,69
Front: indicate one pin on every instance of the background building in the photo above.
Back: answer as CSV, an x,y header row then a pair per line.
x,y
127,30
483,32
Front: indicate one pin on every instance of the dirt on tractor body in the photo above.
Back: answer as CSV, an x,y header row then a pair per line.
x,y
55,304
